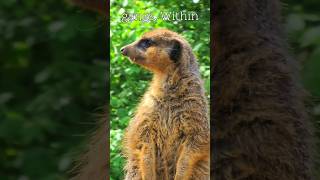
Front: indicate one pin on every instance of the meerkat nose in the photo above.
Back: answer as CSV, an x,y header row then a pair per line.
x,y
124,51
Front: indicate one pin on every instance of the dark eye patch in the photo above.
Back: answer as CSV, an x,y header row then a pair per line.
x,y
145,43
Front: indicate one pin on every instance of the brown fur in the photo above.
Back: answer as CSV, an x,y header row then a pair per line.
x,y
168,138
259,118
94,164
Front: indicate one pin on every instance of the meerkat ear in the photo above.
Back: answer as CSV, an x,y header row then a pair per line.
x,y
175,50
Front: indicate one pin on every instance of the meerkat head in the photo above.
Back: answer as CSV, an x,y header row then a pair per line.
x,y
157,50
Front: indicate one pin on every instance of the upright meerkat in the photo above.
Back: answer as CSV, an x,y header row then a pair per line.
x,y
168,138
260,122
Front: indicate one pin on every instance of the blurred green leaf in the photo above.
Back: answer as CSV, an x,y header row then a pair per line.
x,y
311,37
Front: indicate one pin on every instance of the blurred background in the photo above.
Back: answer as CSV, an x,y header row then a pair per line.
x,y
53,74
302,22
53,82
129,81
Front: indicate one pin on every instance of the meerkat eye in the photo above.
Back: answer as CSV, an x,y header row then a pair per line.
x,y
145,43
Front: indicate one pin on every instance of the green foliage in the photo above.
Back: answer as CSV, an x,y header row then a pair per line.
x,y
52,78
128,81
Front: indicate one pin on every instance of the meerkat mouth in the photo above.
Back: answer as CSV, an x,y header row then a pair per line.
x,y
132,59
136,59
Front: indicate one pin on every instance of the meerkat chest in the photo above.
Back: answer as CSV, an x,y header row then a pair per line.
x,y
160,125
160,113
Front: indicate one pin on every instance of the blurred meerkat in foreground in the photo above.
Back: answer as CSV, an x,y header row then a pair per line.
x,y
94,163
168,138
262,131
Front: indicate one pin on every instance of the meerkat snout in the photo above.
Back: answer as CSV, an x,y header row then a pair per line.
x,y
124,51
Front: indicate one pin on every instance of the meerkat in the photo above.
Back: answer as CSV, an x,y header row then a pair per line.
x,y
262,131
169,135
